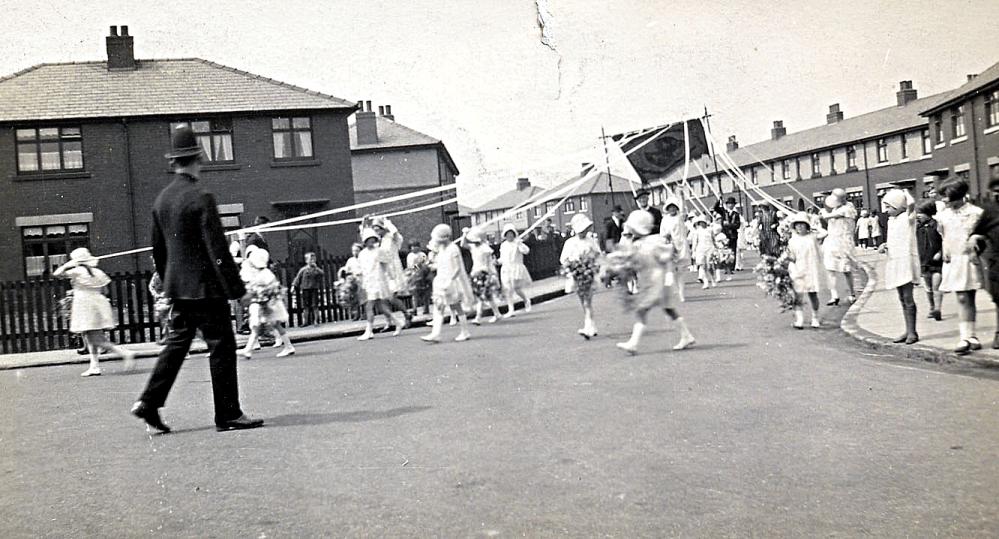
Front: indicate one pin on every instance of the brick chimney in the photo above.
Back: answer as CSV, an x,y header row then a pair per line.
x,y
366,124
835,115
523,183
778,131
906,93
387,113
972,76
120,54
732,144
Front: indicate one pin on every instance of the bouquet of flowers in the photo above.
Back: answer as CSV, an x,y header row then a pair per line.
x,y
583,272
619,267
161,306
348,291
772,277
65,306
419,279
265,292
485,285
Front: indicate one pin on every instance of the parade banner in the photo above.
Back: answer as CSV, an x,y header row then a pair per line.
x,y
664,149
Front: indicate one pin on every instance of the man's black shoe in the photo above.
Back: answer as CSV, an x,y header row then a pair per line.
x,y
150,415
240,423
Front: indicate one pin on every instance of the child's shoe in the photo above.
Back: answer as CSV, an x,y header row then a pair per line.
x,y
287,351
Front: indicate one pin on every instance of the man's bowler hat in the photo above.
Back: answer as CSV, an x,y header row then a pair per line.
x,y
184,143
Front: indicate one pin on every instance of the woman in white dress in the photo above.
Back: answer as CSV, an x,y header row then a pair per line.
x,y
90,314
513,273
902,269
579,261
962,271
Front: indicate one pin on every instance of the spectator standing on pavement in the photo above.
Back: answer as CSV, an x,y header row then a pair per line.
x,y
961,272
612,229
309,281
930,257
902,268
199,276
837,249
90,313
513,273
769,237
879,224
805,268
864,229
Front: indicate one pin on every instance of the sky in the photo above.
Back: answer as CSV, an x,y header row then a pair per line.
x,y
510,101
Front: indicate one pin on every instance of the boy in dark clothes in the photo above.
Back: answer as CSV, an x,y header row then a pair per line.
x,y
930,245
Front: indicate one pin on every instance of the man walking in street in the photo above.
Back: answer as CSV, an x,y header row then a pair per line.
x,y
199,276
613,227
731,223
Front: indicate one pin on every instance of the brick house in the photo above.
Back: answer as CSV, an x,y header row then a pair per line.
x,y
504,202
82,145
390,159
595,198
965,129
867,154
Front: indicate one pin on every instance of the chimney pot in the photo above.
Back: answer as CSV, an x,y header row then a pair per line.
x,y
834,115
732,144
523,183
367,105
972,76
114,31
381,110
906,93
124,30
778,131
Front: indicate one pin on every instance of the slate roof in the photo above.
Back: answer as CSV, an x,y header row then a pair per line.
x,y
509,199
393,135
597,184
156,87
983,80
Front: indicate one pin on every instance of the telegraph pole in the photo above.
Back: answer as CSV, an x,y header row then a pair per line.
x,y
714,161
610,179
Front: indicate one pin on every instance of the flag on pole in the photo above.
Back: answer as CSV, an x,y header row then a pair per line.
x,y
666,152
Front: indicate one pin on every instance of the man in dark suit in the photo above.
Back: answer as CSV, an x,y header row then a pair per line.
x,y
613,227
731,222
642,198
199,276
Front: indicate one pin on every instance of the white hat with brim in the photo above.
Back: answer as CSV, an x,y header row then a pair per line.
x,y
259,258
440,232
895,198
368,233
580,222
640,222
509,227
672,201
474,235
801,217
81,255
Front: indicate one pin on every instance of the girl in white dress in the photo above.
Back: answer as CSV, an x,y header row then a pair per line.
x,y
373,263
485,279
90,313
806,269
513,272
579,259
837,249
902,268
652,258
267,307
451,286
703,249
674,229
962,271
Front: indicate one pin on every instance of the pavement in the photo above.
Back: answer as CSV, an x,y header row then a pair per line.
x,y
539,291
525,430
876,319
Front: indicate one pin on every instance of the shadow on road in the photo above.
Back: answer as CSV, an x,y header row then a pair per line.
x,y
289,420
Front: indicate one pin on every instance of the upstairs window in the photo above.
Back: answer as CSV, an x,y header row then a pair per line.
x,y
292,138
753,177
851,157
992,108
832,162
927,143
905,146
882,150
816,165
785,169
938,128
957,121
214,137
45,149
584,204
570,206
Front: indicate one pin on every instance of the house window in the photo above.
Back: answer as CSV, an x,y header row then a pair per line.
x,y
785,168
214,137
992,109
832,162
753,177
47,247
49,149
963,174
938,128
549,206
519,216
882,150
927,143
584,204
856,198
570,206
851,158
957,121
537,211
816,167
905,146
292,138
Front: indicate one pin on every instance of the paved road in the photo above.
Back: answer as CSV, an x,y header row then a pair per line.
x,y
525,430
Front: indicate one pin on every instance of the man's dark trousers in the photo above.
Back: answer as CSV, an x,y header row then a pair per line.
x,y
186,317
